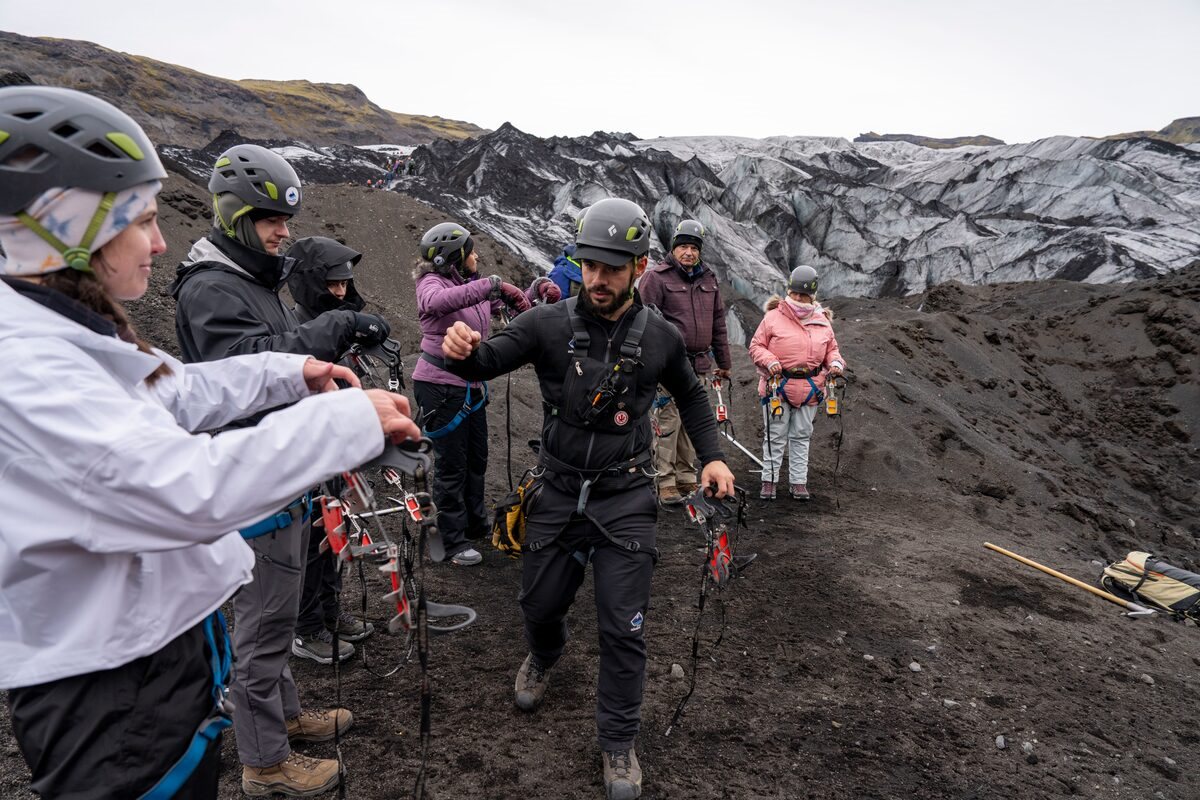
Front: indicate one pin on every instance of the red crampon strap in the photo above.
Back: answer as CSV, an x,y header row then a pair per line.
x,y
335,526
720,560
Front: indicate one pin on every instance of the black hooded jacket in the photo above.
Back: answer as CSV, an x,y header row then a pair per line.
x,y
540,337
227,303
315,256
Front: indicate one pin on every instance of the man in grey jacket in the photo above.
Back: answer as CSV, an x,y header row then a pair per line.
x,y
228,303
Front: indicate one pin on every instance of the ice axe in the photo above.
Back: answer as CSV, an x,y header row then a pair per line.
x,y
1132,609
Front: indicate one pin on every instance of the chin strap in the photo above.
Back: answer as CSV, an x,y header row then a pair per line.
x,y
78,257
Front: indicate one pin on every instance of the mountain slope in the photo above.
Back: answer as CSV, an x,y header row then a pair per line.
x,y
181,106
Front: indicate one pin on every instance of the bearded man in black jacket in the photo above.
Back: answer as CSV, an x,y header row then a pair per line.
x,y
599,358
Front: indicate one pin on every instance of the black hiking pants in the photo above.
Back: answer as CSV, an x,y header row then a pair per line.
x,y
559,545
116,732
460,464
322,584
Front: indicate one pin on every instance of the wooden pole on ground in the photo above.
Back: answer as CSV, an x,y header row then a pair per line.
x,y
1112,598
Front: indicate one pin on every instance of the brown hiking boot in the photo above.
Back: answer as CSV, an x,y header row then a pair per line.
x,y
532,680
669,495
318,726
622,775
295,776
686,490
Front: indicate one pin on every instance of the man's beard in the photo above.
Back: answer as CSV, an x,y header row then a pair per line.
x,y
618,300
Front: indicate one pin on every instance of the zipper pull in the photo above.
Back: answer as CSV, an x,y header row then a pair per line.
x,y
578,369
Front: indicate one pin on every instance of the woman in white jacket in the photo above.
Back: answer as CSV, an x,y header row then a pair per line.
x,y
118,539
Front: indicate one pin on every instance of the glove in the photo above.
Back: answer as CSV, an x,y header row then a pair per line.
x,y
775,368
721,373
496,282
514,297
370,328
545,290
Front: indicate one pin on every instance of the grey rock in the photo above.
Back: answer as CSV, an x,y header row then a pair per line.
x,y
1000,743
677,672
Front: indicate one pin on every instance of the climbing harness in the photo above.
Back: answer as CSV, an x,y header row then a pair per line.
x,y
715,517
220,719
465,411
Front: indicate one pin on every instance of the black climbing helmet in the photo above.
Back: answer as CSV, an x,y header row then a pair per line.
x,y
259,177
51,138
803,280
688,232
446,244
613,232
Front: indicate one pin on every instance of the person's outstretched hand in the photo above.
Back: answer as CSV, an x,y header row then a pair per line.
x,y
546,290
717,479
460,341
394,415
514,297
320,376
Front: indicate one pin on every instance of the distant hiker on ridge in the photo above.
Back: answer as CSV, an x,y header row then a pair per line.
x,y
688,295
795,350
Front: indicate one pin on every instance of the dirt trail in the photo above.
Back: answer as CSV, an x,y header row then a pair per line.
x,y
1055,419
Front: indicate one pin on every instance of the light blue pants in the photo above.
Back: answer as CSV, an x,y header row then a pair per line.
x,y
791,432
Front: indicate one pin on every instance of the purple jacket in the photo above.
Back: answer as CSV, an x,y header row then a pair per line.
x,y
692,303
443,300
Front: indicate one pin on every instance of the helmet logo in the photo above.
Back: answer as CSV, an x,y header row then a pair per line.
x,y
292,195
612,230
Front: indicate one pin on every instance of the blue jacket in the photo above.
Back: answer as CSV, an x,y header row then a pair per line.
x,y
567,274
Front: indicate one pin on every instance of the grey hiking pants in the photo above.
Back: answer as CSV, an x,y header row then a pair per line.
x,y
264,623
791,434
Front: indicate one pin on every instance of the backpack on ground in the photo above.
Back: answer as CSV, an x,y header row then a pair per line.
x,y
1153,582
508,518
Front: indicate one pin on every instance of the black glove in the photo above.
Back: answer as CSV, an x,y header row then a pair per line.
x,y
370,328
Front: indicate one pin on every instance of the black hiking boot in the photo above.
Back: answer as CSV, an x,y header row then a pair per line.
x,y
622,775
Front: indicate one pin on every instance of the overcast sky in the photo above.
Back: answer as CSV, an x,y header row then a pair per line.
x,y
1015,69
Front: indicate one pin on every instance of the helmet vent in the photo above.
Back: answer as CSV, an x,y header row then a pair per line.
x,y
24,157
101,149
66,130
27,115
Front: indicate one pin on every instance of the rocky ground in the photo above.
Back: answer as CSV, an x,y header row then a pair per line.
x,y
875,649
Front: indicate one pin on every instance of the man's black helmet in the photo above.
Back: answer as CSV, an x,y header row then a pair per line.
x,y
688,232
446,244
259,177
52,138
803,280
613,232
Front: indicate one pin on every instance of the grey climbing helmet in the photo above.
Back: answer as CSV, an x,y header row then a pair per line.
x,y
803,280
612,231
688,232
259,177
52,138
446,244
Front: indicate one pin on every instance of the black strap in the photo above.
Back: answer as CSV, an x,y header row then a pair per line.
x,y
437,361
580,338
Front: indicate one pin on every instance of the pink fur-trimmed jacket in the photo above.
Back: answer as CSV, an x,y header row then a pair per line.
x,y
796,344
